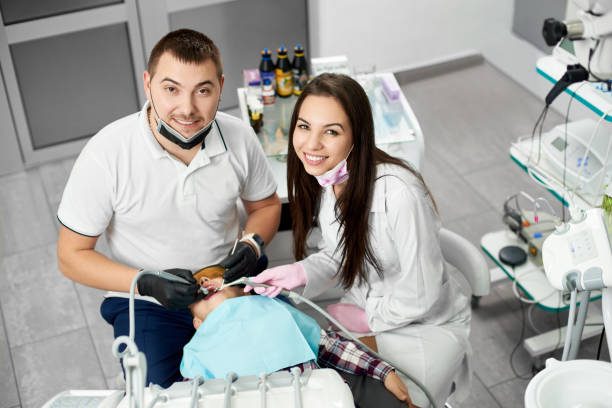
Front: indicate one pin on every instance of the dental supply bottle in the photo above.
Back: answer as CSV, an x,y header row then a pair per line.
x,y
284,74
300,69
255,109
270,125
268,93
266,67
606,205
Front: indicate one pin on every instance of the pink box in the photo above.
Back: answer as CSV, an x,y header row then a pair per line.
x,y
251,77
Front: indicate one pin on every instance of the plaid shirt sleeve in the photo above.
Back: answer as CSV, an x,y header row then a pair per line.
x,y
342,354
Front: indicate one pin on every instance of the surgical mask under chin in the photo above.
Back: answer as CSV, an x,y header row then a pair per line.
x,y
175,137
337,175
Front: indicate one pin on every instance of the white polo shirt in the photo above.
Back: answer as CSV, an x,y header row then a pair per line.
x,y
157,212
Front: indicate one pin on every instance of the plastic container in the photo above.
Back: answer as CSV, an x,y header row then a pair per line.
x,y
390,102
300,69
284,74
266,67
269,95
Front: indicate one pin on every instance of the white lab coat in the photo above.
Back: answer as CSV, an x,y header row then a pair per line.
x,y
418,311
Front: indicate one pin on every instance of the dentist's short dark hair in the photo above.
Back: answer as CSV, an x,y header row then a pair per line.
x,y
188,46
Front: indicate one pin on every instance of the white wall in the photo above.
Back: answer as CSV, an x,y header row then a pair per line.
x,y
401,34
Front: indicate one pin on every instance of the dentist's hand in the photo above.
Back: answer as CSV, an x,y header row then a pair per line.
x,y
172,295
350,316
242,261
281,277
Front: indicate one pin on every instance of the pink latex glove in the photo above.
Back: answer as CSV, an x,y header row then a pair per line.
x,y
281,277
350,316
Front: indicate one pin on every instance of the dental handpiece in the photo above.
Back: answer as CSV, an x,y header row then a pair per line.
x,y
246,281
174,278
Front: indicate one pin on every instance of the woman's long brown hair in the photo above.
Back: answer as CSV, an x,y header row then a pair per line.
x,y
352,208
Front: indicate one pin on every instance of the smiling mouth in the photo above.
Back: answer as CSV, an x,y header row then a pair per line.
x,y
314,159
186,122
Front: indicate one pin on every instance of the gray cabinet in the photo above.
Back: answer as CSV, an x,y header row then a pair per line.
x,y
69,67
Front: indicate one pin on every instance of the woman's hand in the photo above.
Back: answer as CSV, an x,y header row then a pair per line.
x,y
350,316
398,388
281,277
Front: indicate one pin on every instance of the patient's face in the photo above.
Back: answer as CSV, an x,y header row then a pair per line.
x,y
202,308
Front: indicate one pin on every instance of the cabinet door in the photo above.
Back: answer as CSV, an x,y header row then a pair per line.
x,y
240,28
69,67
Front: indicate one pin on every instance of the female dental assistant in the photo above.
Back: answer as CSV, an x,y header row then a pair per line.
x,y
380,241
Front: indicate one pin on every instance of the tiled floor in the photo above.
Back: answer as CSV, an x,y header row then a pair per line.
x,y
52,337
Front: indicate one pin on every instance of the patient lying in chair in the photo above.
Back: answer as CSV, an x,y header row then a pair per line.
x,y
249,335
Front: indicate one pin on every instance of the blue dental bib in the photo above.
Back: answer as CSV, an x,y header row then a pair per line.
x,y
250,335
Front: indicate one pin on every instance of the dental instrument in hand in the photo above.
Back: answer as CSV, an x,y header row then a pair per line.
x,y
223,284
246,281
174,278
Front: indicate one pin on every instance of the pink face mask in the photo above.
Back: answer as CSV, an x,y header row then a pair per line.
x,y
337,175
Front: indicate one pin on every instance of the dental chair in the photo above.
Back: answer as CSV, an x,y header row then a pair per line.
x,y
468,260
465,257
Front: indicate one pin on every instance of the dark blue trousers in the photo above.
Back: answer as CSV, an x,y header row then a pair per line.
x,y
159,333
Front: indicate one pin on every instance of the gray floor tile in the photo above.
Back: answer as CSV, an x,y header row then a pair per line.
x,y
495,332
510,393
37,300
454,196
102,335
54,176
101,332
8,384
90,299
57,364
479,397
498,182
481,112
26,218
473,227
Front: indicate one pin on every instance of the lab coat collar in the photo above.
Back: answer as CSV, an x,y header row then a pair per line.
x,y
378,197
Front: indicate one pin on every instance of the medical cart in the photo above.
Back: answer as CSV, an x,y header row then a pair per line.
x,y
529,276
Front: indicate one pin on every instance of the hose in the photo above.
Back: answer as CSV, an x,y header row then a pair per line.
x,y
570,325
296,297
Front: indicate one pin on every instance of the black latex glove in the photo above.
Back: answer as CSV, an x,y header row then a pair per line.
x,y
243,262
172,295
